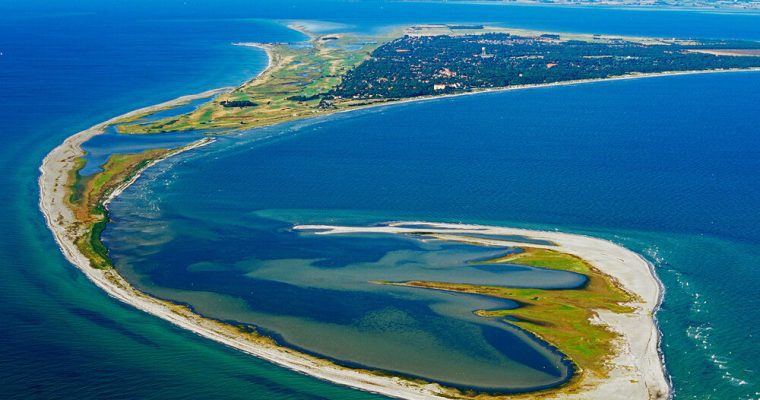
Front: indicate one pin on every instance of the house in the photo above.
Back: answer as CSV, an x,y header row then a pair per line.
x,y
447,73
484,53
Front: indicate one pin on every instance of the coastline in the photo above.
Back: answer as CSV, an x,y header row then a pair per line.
x,y
267,48
58,163
547,85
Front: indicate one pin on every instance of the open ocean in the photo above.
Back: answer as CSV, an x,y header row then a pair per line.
x,y
665,166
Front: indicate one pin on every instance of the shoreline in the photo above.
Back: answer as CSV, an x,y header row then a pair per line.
x,y
267,48
59,162
551,84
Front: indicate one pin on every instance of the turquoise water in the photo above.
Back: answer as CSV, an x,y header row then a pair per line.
x,y
666,167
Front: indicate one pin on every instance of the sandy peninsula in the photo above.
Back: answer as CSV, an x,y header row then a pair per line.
x,y
54,173
637,370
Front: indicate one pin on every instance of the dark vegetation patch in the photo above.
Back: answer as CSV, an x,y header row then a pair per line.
x,y
418,66
237,103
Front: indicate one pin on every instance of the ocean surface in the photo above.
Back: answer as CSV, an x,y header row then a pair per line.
x,y
665,166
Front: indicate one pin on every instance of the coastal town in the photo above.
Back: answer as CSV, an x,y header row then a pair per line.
x,y
418,65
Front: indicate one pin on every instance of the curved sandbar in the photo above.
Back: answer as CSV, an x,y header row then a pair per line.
x,y
637,370
55,172
637,367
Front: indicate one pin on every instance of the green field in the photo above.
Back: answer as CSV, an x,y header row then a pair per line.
x,y
290,89
88,193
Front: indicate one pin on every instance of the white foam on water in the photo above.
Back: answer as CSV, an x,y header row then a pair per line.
x,y
700,332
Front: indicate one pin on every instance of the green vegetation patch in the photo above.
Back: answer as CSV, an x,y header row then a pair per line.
x,y
561,317
413,66
86,195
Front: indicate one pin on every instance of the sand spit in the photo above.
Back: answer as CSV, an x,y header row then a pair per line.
x,y
54,173
637,371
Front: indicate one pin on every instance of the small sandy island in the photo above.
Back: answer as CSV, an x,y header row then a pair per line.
x,y
637,370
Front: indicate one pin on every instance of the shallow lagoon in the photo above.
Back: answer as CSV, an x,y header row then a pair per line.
x,y
315,293
101,147
320,294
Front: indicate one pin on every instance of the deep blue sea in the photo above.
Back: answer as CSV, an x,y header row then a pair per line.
x,y
665,166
